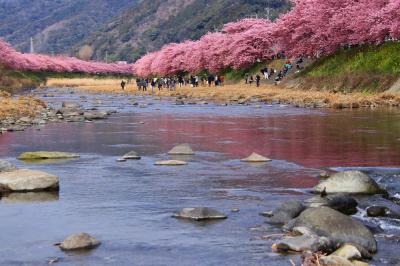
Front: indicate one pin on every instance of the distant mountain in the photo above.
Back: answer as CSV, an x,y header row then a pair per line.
x,y
153,23
55,25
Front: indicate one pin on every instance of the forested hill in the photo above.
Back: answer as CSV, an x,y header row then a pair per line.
x,y
154,23
56,25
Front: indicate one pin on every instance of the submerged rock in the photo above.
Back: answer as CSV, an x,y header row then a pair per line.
x,y
42,155
200,213
182,149
79,242
353,182
286,212
337,227
170,163
28,180
6,166
131,156
256,158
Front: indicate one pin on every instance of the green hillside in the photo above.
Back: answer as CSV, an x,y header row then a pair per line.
x,y
55,25
152,24
365,68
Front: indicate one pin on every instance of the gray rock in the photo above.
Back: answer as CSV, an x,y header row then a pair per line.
x,y
79,242
199,213
24,121
349,252
131,156
69,105
182,149
286,212
337,227
27,181
306,240
343,203
256,158
7,166
353,182
377,206
95,115
170,163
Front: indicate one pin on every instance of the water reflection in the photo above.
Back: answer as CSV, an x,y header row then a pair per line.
x,y
30,197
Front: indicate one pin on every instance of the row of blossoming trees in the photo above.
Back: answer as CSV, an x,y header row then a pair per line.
x,y
311,28
60,64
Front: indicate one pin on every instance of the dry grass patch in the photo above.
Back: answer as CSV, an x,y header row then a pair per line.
x,y
19,107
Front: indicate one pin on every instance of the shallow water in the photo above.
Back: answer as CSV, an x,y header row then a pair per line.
x,y
128,205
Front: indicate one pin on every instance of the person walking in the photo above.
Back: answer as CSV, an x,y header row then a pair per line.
x,y
251,80
123,83
246,78
258,79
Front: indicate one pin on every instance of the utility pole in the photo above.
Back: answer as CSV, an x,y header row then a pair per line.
x,y
107,57
32,50
268,9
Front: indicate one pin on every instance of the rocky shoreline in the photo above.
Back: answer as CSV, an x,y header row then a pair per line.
x,y
17,114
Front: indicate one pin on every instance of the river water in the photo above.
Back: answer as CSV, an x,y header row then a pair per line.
x,y
128,206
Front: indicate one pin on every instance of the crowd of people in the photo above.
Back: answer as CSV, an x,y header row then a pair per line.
x,y
171,83
273,74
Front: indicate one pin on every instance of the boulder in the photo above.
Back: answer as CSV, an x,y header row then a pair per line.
x,y
353,182
382,211
333,260
256,158
337,227
342,203
131,156
305,240
286,212
79,242
6,166
27,181
69,105
199,213
95,115
42,155
349,252
170,163
183,149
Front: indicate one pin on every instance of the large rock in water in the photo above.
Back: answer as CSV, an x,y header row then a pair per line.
x,y
183,149
27,180
200,213
354,182
79,242
256,158
337,227
6,166
286,212
42,155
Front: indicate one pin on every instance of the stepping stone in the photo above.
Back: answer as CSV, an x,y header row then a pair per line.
x,y
79,242
42,155
183,149
199,214
256,158
28,181
170,163
131,156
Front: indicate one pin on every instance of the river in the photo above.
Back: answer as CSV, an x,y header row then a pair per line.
x,y
128,205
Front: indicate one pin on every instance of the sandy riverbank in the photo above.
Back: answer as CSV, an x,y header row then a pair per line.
x,y
242,93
